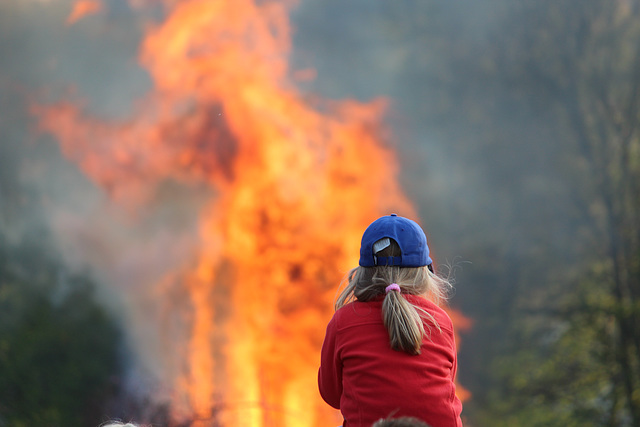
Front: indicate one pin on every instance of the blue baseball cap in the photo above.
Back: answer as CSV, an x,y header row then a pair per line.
x,y
406,233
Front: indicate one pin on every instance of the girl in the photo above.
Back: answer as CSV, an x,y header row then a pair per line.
x,y
389,349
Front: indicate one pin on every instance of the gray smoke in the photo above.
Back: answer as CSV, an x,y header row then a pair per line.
x,y
94,63
361,49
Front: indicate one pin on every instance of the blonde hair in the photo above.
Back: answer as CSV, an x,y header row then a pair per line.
x,y
403,320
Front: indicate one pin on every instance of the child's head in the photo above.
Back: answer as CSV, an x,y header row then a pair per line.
x,y
394,260
400,422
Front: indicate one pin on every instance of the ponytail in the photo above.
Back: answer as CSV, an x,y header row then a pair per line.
x,y
403,322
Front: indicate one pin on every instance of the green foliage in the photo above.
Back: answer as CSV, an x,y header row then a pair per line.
x,y
582,64
560,375
58,347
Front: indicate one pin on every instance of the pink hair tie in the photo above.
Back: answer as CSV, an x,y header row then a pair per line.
x,y
392,287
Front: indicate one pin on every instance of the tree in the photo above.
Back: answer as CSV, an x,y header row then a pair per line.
x,y
578,63
58,347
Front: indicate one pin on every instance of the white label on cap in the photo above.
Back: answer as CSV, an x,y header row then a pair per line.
x,y
381,244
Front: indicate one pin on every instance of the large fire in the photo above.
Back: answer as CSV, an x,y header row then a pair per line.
x,y
294,184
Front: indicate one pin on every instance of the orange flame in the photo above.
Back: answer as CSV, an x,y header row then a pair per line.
x,y
295,184
82,8
462,324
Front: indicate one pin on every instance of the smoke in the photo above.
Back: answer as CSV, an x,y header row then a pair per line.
x,y
436,62
369,49
363,50
45,195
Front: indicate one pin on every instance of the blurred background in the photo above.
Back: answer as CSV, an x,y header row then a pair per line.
x,y
184,184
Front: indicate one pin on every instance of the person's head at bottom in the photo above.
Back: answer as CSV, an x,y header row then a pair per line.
x,y
400,422
116,423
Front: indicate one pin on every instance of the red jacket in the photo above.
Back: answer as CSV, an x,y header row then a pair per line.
x,y
363,377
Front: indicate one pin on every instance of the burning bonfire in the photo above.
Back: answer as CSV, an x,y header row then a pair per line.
x,y
291,184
